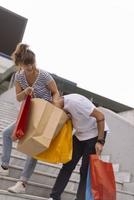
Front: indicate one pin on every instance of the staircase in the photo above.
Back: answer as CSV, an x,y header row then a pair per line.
x,y
43,178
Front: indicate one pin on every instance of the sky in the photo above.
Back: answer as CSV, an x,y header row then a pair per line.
x,y
89,42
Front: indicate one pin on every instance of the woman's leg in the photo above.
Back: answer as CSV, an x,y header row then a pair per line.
x,y
7,145
28,169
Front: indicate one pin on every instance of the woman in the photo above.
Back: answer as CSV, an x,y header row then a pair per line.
x,y
29,80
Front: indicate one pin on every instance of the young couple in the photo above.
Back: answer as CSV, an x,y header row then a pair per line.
x,y
87,120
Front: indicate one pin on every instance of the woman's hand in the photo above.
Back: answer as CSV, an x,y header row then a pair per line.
x,y
29,91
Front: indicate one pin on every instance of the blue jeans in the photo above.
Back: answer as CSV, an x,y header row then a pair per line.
x,y
6,154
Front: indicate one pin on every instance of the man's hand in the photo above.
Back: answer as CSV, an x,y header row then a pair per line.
x,y
69,116
99,148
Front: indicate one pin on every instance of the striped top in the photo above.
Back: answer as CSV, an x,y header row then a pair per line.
x,y
40,85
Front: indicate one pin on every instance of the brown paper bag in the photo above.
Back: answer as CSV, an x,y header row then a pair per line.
x,y
44,123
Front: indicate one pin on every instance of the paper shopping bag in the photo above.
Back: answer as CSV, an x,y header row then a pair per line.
x,y
21,123
60,149
100,180
44,123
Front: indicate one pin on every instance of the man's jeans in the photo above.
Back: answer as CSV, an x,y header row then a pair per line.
x,y
80,149
6,154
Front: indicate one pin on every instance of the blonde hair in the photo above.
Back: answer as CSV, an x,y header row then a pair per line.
x,y
23,55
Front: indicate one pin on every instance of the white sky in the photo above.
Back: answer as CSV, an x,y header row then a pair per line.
x,y
90,42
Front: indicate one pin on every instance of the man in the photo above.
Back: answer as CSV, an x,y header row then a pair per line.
x,y
89,138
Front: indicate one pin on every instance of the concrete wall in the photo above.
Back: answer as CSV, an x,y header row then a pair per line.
x,y
128,115
120,142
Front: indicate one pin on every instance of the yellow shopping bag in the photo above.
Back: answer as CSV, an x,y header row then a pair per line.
x,y
60,149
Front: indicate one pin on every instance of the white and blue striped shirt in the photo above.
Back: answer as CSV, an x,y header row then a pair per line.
x,y
40,85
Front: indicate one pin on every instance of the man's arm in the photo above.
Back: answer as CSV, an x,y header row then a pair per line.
x,y
100,120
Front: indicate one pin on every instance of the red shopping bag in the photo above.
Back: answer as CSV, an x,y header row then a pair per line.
x,y
103,185
22,119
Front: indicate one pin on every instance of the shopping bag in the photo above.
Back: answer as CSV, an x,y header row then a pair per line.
x,y
44,123
21,123
100,180
60,149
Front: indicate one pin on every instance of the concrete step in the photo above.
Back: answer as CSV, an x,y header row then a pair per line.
x,y
21,157
128,187
5,195
116,167
123,177
49,178
51,168
44,178
105,158
39,191
18,158
43,167
34,188
119,186
124,195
